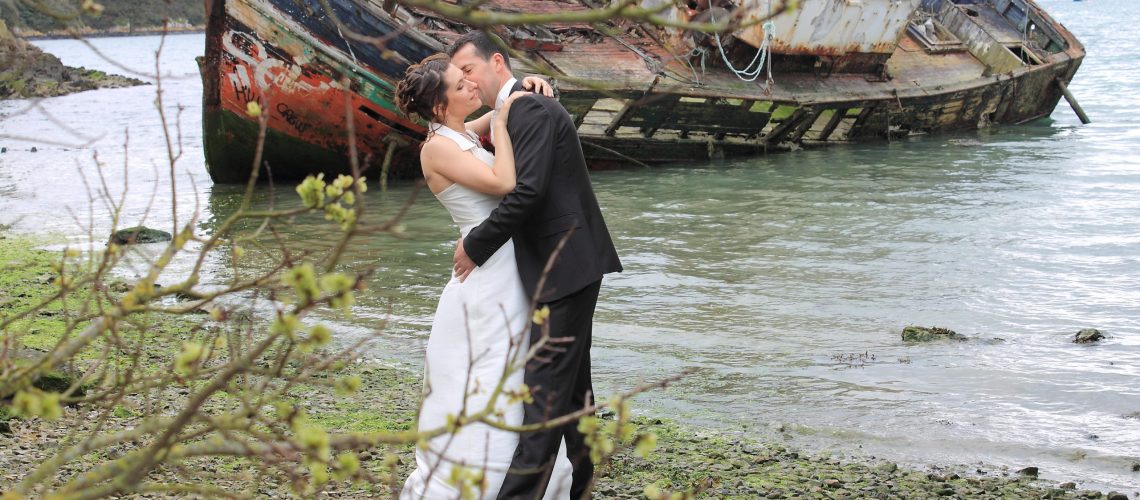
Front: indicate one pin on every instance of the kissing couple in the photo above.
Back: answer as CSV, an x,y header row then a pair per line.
x,y
514,208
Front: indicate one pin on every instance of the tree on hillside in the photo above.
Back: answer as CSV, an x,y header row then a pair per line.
x,y
49,16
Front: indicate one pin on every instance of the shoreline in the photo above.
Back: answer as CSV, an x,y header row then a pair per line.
x,y
67,35
30,72
715,463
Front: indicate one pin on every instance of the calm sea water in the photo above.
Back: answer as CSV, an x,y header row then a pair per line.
x,y
784,281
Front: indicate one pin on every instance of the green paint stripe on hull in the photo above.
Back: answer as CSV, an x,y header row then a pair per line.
x,y
230,143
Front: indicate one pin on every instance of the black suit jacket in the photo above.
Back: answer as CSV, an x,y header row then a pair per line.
x,y
553,196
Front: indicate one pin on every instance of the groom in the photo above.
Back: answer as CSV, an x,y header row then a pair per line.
x,y
553,197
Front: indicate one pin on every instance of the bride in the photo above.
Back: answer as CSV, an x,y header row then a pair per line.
x,y
481,326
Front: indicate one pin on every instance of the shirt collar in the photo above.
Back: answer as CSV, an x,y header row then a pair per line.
x,y
505,92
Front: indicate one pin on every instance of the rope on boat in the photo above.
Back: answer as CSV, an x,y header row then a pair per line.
x,y
346,44
749,73
657,66
653,65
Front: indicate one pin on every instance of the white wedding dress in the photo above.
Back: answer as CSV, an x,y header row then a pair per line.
x,y
480,327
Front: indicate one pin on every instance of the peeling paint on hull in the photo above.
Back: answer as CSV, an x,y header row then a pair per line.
x,y
308,84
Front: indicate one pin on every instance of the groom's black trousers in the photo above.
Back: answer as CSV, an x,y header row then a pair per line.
x,y
560,383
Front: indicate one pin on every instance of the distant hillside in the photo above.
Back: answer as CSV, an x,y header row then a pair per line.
x,y
117,15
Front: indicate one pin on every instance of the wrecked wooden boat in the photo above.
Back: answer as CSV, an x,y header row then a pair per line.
x,y
828,71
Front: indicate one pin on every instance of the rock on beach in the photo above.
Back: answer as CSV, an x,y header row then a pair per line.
x,y
139,234
923,334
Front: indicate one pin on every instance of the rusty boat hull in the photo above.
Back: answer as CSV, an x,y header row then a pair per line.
x,y
326,97
642,96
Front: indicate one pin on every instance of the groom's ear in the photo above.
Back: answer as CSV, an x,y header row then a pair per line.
x,y
498,62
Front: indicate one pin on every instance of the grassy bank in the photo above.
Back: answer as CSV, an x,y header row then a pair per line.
x,y
713,464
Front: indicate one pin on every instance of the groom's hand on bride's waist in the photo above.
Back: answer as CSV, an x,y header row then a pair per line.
x,y
463,265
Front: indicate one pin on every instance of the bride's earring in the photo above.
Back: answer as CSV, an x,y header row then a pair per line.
x,y
440,111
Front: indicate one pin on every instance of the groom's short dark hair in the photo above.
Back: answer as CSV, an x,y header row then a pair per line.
x,y
486,44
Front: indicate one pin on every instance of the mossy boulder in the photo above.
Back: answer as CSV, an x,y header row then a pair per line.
x,y
923,334
50,381
139,234
5,416
1088,336
54,381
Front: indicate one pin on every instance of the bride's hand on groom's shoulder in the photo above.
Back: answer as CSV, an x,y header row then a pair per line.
x,y
538,85
512,98
504,110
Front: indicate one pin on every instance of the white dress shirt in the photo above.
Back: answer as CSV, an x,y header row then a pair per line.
x,y
504,93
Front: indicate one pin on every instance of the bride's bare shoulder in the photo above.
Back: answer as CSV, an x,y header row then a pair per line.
x,y
438,144
437,148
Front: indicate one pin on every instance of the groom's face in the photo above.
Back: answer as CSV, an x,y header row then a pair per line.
x,y
483,72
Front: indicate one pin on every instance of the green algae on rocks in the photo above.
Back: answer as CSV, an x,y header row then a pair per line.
x,y
689,462
28,72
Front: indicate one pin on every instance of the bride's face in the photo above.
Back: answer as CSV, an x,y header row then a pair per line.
x,y
462,95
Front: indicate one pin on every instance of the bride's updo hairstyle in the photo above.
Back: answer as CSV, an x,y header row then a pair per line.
x,y
422,88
